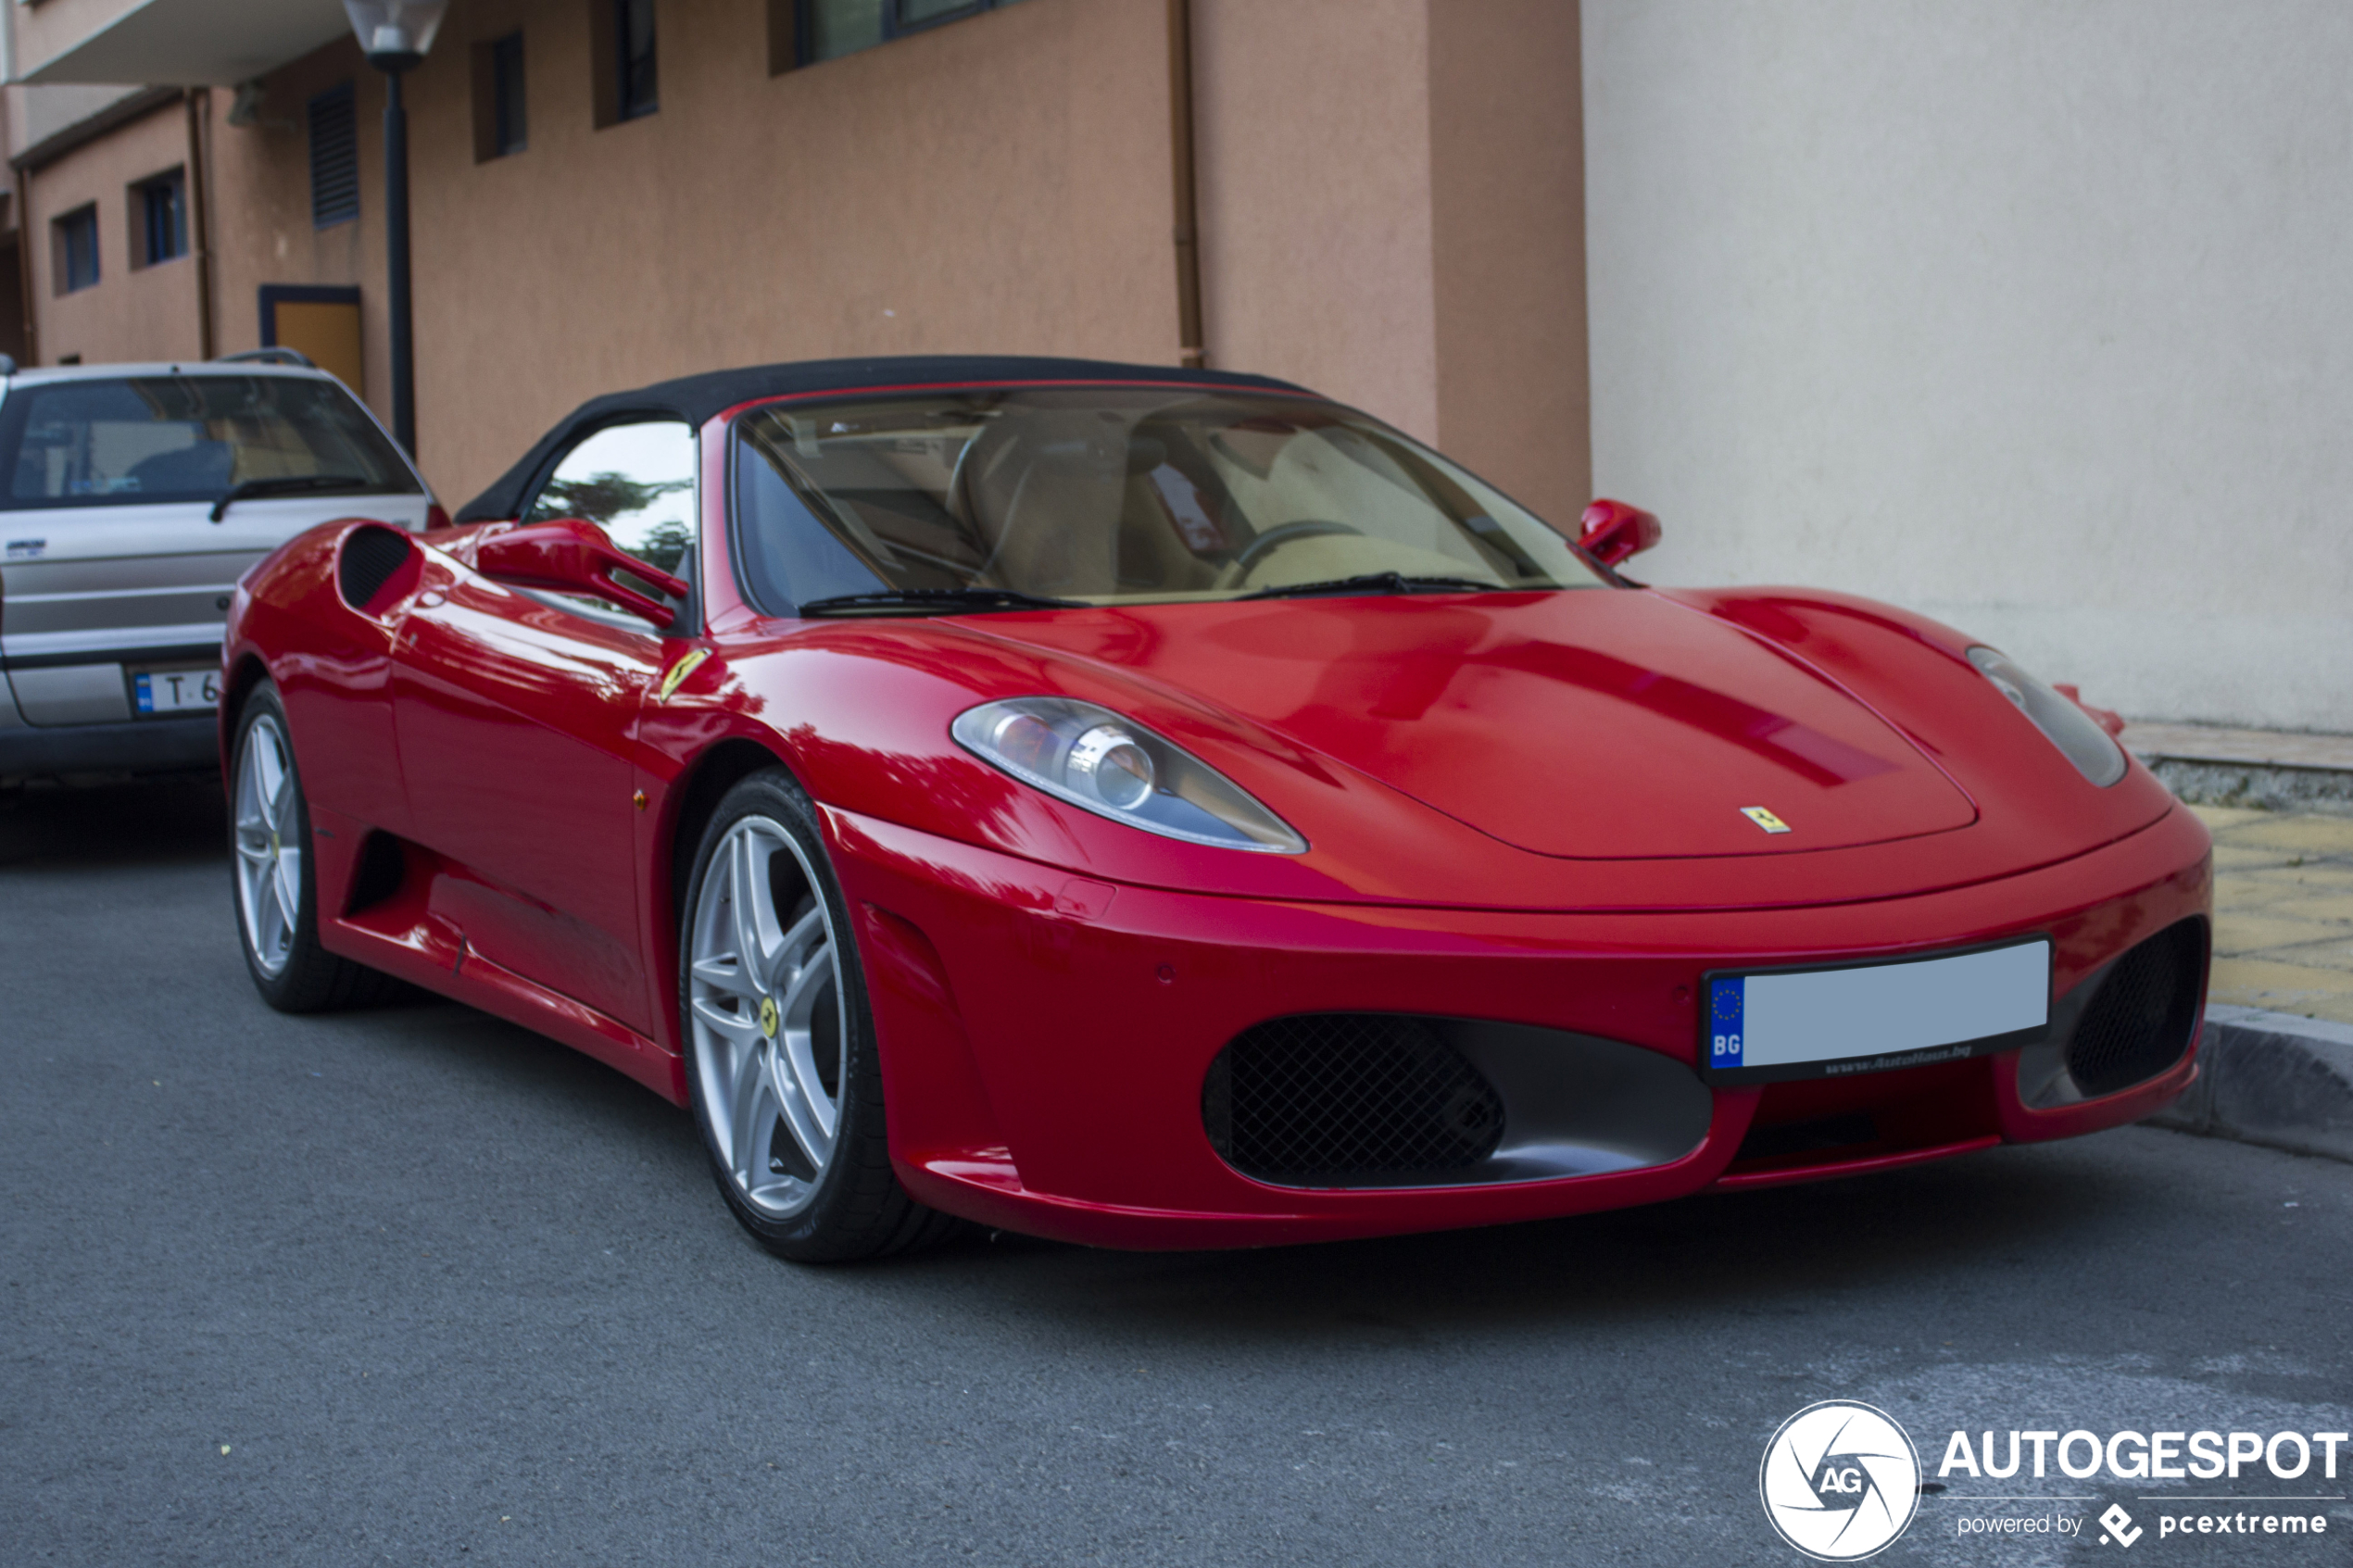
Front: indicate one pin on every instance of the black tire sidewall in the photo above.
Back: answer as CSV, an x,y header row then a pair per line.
x,y
825,1228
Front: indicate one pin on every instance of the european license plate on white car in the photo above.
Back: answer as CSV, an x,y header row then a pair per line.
x,y
193,690
1770,1024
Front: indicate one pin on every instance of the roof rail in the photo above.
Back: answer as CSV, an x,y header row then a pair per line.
x,y
269,356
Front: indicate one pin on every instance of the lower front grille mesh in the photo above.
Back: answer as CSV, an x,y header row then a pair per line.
x,y
2140,1022
1346,1098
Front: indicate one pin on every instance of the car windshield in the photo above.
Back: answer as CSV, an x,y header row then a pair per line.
x,y
984,498
118,442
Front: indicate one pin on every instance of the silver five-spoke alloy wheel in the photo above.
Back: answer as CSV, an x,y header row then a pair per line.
x,y
770,1036
269,846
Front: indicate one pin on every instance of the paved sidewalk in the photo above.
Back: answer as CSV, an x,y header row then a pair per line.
x,y
2282,911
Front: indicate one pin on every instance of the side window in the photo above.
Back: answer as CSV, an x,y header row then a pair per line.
x,y
635,482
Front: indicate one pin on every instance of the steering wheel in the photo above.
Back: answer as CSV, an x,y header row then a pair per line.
x,y
1275,539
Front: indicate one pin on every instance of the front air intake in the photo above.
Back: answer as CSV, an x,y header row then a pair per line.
x,y
2141,1019
1347,1100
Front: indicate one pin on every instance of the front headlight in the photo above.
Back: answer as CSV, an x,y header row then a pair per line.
x,y
1115,768
2095,753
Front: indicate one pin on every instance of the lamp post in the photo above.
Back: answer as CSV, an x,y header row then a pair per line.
x,y
394,34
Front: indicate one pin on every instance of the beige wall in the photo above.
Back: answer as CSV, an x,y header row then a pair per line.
x,y
1389,206
133,313
997,185
2033,316
1392,212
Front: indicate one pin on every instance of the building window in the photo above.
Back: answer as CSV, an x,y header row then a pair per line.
x,y
334,159
636,88
801,32
500,126
75,244
160,217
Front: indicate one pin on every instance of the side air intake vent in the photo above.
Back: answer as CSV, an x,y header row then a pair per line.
x,y
1347,1100
371,558
2141,1019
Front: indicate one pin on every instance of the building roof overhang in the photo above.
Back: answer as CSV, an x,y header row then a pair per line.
x,y
195,43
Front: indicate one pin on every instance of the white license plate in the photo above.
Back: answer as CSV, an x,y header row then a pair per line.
x,y
195,690
1875,1017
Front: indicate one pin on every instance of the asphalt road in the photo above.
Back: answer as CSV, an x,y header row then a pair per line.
x,y
414,1287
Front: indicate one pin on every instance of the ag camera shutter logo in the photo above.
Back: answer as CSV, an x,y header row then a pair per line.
x,y
1839,1481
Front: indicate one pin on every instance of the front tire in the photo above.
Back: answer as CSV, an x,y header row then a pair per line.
x,y
276,889
781,1070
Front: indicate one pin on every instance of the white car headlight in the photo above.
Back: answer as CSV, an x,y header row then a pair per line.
x,y
1115,768
2092,749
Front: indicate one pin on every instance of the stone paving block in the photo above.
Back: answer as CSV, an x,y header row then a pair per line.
x,y
2248,858
2319,836
2308,989
2239,933
2333,904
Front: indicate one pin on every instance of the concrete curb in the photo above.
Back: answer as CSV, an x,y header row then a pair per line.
x,y
2271,1078
2268,786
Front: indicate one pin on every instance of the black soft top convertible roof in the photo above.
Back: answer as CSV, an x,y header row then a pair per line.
x,y
697,398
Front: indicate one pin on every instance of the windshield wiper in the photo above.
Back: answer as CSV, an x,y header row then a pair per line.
x,y
288,485
1376,582
940,601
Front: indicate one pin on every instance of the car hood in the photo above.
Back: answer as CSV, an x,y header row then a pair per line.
x,y
1593,725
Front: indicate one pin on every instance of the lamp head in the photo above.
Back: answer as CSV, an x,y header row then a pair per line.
x,y
394,34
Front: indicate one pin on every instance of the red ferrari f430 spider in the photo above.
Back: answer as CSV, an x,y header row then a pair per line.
x,y
1169,808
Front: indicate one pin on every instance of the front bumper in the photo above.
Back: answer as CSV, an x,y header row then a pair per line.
x,y
1045,1037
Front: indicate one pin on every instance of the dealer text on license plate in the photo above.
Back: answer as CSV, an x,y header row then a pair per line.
x,y
1874,1017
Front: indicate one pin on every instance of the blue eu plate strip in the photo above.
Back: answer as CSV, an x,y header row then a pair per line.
x,y
147,695
1726,1002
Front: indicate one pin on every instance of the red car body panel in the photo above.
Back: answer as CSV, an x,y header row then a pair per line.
x,y
1521,808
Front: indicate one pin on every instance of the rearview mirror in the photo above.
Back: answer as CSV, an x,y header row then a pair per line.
x,y
571,555
1613,531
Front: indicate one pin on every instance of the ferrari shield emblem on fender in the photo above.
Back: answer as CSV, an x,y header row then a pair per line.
x,y
1763,819
679,671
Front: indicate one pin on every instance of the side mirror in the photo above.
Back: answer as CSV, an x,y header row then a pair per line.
x,y
1613,531
569,555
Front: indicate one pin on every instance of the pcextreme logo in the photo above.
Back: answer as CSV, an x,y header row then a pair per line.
x,y
1839,1481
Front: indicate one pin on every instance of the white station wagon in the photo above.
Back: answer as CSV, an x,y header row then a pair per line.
x,y
131,499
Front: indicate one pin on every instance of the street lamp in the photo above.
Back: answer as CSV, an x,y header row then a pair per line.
x,y
394,34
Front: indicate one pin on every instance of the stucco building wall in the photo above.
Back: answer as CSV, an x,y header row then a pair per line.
x,y
1391,211
146,312
2034,319
1001,184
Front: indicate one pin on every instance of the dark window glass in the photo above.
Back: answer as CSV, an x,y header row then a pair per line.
x,y
916,13
163,215
1114,493
842,27
833,28
508,133
334,159
187,438
637,90
77,249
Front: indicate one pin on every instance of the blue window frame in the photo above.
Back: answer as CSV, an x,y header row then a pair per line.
x,y
77,249
163,217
